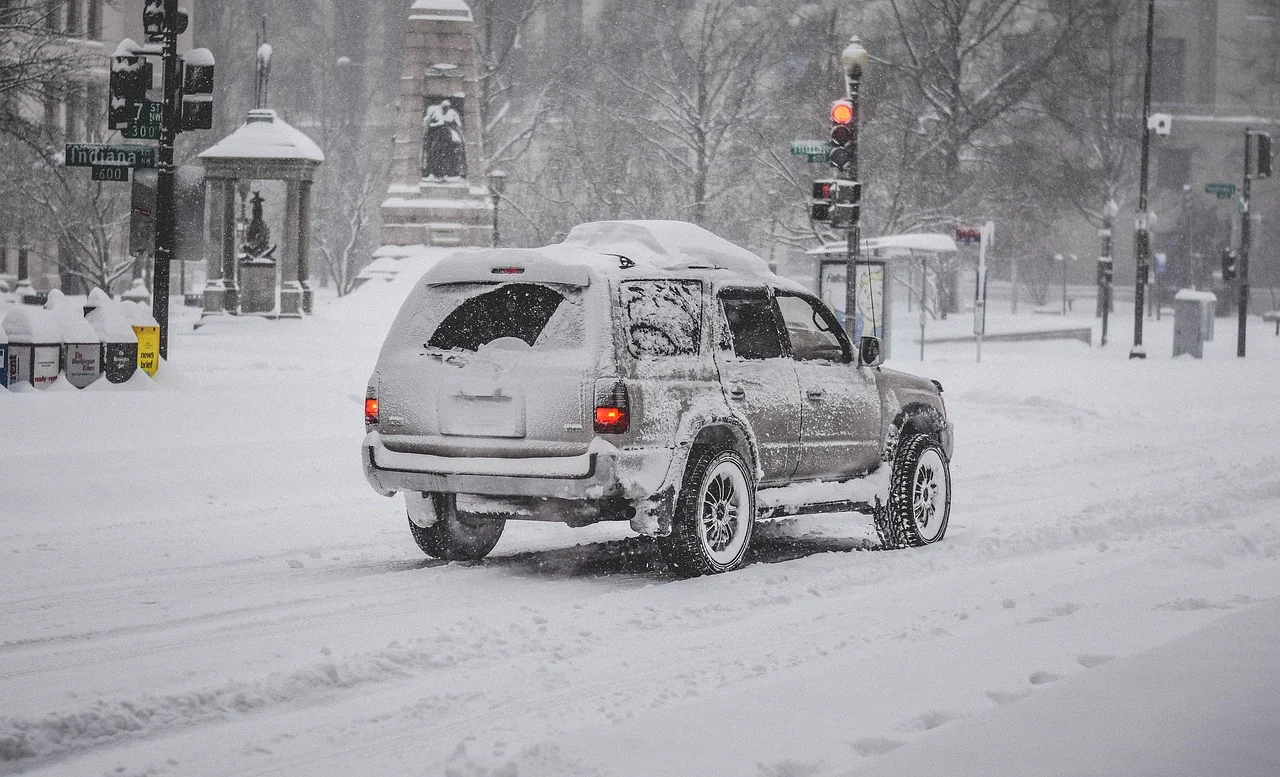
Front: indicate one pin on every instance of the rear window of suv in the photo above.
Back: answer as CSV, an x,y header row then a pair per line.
x,y
662,317
539,315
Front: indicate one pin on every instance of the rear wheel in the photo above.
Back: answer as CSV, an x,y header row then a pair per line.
x,y
714,515
456,536
919,495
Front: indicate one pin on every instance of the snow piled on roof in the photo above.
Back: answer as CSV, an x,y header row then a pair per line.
x,y
436,9
265,135
36,326
611,248
70,317
1196,296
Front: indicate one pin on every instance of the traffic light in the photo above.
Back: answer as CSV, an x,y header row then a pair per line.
x,y
820,207
197,90
1264,154
128,85
1229,258
847,198
155,24
843,127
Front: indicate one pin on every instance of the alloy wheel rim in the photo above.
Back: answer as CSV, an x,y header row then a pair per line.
x,y
722,513
929,495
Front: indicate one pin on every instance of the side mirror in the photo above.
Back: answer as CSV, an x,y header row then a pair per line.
x,y
869,351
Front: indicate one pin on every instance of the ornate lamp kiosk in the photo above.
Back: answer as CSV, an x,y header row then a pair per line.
x,y
264,148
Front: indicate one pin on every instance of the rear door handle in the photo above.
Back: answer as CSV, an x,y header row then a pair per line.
x,y
815,393
736,392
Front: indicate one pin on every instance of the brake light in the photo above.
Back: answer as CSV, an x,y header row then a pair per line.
x,y
507,271
613,410
371,410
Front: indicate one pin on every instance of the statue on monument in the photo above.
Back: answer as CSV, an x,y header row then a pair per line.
x,y
444,154
257,238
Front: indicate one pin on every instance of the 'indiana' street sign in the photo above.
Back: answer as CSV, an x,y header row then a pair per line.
x,y
90,154
816,150
1225,191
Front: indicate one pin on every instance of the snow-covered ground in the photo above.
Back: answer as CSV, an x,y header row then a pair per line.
x,y
198,581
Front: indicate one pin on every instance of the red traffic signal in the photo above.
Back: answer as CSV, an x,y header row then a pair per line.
x,y
842,112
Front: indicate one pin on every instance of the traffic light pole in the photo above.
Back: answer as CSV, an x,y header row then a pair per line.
x,y
1242,267
853,236
165,215
1142,235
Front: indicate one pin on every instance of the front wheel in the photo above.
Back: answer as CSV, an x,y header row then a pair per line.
x,y
456,536
919,495
714,515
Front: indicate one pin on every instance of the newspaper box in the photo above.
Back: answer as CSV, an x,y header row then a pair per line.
x,y
4,359
119,343
81,345
35,346
148,332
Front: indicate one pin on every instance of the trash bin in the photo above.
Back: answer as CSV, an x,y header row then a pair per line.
x,y
35,346
1193,321
148,332
81,345
119,353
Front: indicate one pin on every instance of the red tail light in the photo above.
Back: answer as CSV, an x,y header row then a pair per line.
x,y
613,411
371,410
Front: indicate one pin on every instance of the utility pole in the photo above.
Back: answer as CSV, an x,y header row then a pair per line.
x,y
1142,235
854,59
166,219
1246,228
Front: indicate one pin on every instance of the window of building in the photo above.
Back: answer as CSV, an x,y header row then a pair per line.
x,y
1262,9
1173,168
1168,69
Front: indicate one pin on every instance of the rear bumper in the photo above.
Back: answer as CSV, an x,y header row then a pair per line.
x,y
592,475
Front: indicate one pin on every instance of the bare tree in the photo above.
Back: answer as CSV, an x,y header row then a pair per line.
x,y
345,232
86,219
38,65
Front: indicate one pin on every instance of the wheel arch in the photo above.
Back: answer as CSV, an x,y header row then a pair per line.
x,y
915,418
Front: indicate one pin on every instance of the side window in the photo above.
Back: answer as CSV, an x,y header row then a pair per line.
x,y
814,332
753,327
662,318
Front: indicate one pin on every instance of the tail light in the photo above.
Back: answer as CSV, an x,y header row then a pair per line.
x,y
370,409
613,410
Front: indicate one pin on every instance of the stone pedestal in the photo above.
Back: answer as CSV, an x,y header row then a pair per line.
x,y
258,287
440,67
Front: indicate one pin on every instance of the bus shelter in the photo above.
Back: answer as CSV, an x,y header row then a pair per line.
x,y
874,270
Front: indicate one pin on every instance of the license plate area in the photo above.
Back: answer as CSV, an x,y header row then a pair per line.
x,y
464,415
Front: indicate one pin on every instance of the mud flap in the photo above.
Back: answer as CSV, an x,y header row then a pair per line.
x,y
653,514
422,509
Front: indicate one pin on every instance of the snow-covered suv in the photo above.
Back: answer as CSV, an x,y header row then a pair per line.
x,y
649,372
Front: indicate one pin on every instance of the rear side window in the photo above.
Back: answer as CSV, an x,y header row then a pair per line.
x,y
662,318
519,310
753,327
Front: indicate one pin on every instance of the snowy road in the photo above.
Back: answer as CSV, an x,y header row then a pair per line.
x,y
197,581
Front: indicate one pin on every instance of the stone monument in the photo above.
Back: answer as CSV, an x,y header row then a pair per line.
x,y
438,195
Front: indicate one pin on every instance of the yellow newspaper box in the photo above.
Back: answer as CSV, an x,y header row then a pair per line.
x,y
148,332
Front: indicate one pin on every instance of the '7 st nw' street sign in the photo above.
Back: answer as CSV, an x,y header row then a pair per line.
x,y
1224,191
90,154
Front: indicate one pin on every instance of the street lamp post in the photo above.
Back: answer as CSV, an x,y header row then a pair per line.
x,y
497,184
1105,265
854,59
1142,235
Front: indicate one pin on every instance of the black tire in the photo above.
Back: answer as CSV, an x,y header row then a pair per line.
x,y
456,536
717,480
919,495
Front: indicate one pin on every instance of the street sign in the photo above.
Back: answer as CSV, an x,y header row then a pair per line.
x,y
90,154
814,150
145,121
1224,191
111,172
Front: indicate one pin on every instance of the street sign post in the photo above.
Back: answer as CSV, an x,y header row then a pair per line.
x,y
813,150
90,154
111,172
1223,191
145,121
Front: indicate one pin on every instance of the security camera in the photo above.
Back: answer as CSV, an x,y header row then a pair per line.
x,y
1162,123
